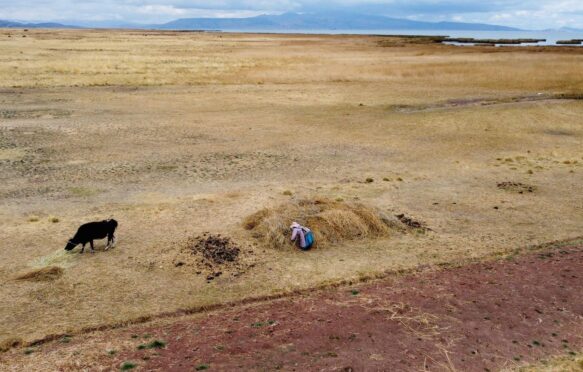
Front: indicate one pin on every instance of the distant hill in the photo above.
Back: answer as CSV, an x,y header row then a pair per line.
x,y
334,21
11,24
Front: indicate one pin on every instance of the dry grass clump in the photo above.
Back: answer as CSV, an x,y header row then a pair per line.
x,y
42,275
9,343
331,221
569,363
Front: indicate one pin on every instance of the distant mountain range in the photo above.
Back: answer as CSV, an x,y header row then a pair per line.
x,y
10,24
334,21
286,22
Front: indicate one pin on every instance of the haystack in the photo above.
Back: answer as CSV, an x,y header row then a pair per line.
x,y
331,221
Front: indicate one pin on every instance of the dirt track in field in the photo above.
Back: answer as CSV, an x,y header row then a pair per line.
x,y
479,317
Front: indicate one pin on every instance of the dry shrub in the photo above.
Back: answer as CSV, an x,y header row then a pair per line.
x,y
42,275
331,222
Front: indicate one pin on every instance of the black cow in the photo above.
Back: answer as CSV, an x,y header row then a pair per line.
x,y
92,231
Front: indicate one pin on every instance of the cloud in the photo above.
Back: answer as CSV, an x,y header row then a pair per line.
x,y
521,13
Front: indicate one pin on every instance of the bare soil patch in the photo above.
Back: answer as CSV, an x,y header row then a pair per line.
x,y
215,248
476,102
412,223
516,187
212,254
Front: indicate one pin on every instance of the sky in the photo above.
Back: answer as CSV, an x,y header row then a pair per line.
x,y
527,14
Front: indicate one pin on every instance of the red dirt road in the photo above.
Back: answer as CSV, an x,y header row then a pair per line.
x,y
481,317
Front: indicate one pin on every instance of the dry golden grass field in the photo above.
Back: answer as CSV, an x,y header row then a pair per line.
x,y
175,134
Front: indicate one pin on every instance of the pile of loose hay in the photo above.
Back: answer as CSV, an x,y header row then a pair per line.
x,y
42,275
331,221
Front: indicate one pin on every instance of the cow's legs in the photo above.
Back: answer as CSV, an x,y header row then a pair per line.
x,y
83,248
92,248
109,242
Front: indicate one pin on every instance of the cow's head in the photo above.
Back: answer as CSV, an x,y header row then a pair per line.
x,y
70,245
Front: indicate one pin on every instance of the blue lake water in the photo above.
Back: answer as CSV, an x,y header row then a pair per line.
x,y
550,36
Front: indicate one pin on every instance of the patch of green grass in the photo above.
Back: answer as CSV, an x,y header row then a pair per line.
x,y
257,324
355,292
28,351
202,367
126,366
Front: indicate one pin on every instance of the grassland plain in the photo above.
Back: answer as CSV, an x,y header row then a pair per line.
x,y
175,134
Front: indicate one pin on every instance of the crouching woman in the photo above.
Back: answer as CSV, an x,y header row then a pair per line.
x,y
302,236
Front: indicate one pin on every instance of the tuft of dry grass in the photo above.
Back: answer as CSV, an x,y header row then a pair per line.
x,y
331,221
9,343
570,363
44,274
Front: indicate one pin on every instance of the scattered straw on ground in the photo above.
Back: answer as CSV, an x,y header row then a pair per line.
x,y
42,275
59,258
331,221
569,363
